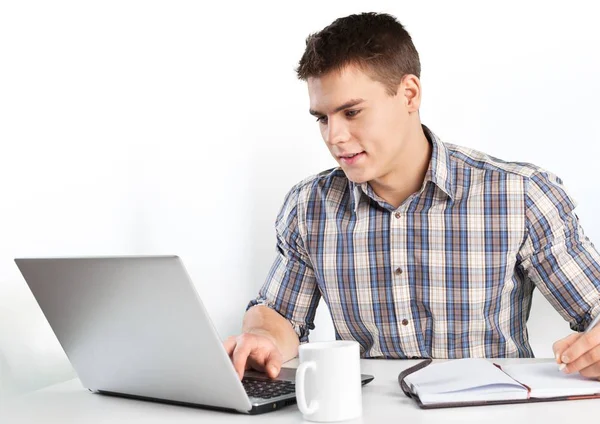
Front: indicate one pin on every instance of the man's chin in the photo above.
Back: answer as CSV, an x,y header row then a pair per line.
x,y
355,178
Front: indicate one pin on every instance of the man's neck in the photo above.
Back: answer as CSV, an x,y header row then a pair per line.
x,y
408,176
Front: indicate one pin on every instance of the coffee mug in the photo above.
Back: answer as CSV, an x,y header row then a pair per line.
x,y
328,383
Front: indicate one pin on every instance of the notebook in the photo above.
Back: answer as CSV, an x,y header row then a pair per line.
x,y
474,381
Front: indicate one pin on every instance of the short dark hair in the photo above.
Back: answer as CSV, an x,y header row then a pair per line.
x,y
375,42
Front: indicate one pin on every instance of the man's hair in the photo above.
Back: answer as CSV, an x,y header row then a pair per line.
x,y
375,42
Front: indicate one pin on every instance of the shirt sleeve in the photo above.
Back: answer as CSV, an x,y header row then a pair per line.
x,y
290,287
556,254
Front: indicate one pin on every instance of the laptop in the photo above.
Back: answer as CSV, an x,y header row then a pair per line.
x,y
136,327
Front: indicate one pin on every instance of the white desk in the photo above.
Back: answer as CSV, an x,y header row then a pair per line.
x,y
383,401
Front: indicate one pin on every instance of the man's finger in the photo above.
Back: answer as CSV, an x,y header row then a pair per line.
x,y
587,364
229,345
586,342
240,356
560,346
593,371
273,363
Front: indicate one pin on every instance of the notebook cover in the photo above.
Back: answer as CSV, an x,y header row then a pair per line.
x,y
426,362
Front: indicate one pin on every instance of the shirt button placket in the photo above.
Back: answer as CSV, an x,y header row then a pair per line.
x,y
398,271
401,289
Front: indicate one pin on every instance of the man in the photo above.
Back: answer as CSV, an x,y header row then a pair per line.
x,y
419,248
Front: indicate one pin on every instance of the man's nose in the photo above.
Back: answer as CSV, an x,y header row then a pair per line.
x,y
336,132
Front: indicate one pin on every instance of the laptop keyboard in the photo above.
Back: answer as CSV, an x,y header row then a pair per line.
x,y
267,389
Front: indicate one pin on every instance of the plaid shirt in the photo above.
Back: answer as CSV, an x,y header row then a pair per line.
x,y
449,273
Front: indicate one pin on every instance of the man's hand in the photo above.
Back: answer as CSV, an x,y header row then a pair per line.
x,y
580,353
254,351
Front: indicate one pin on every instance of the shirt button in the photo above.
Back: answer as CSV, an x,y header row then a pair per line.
x,y
398,271
397,215
405,322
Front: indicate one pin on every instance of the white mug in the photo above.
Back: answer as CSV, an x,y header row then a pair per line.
x,y
328,383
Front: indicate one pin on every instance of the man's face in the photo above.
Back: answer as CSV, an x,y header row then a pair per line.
x,y
363,126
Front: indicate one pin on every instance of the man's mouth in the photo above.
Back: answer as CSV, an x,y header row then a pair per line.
x,y
351,158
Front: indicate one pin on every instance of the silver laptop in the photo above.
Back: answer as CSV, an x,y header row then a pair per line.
x,y
136,327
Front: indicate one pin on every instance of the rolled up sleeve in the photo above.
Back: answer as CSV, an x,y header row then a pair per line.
x,y
290,287
556,254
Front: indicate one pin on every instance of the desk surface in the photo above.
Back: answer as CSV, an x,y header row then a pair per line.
x,y
69,402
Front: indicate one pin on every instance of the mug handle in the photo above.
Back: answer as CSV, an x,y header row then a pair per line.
x,y
300,398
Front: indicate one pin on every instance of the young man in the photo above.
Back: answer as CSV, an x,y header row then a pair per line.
x,y
419,248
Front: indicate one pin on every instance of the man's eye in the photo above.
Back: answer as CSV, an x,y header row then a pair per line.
x,y
352,113
322,119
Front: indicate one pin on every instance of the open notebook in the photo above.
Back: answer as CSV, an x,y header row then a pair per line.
x,y
473,381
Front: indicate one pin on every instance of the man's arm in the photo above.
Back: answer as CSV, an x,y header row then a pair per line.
x,y
267,341
563,263
282,315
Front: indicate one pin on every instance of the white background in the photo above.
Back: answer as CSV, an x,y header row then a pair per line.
x,y
146,127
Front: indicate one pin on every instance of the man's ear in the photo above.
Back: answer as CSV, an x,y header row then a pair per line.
x,y
410,90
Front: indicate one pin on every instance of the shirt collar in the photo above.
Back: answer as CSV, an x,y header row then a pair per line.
x,y
438,172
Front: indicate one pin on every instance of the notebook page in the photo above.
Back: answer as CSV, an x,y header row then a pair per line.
x,y
464,380
545,380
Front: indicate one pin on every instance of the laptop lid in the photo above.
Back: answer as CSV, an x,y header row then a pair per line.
x,y
135,326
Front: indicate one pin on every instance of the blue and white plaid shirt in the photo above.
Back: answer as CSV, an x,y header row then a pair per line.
x,y
449,273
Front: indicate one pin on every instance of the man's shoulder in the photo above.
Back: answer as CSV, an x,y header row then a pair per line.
x,y
465,157
319,185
